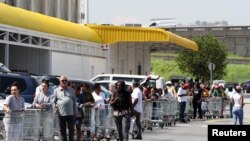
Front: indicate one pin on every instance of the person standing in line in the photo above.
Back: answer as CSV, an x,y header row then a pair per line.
x,y
171,88
238,103
230,94
39,88
79,115
182,99
123,108
197,99
44,98
13,108
65,102
137,104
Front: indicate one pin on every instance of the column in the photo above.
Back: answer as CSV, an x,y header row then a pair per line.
x,y
57,6
32,5
45,7
69,12
78,11
6,50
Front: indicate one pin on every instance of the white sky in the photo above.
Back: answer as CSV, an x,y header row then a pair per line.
x,y
235,12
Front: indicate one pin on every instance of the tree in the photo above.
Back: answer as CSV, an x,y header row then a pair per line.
x,y
196,63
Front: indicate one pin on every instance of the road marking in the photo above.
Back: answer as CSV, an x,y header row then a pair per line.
x,y
204,126
183,125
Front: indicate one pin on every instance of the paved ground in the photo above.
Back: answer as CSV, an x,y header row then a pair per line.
x,y
192,131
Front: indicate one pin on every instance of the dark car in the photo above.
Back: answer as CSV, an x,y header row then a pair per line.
x,y
53,79
27,84
246,86
231,84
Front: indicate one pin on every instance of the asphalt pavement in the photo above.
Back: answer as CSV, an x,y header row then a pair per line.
x,y
196,130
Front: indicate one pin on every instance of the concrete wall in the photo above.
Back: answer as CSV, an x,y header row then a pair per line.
x,y
125,58
77,66
236,38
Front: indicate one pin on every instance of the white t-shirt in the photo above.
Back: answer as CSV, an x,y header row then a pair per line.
x,y
99,99
236,97
230,94
137,94
181,92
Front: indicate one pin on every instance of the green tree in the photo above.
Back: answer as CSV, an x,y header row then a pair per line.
x,y
196,63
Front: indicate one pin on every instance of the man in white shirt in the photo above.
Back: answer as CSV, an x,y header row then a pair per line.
x,y
137,104
182,99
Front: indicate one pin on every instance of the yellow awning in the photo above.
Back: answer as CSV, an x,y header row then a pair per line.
x,y
112,34
93,33
34,21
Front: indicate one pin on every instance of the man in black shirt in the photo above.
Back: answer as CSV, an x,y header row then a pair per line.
x,y
197,95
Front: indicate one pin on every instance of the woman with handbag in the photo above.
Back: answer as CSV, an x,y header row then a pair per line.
x,y
122,106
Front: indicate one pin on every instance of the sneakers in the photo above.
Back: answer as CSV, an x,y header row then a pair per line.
x,y
138,138
183,121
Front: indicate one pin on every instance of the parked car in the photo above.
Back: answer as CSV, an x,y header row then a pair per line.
x,y
231,84
27,84
53,79
78,82
246,86
219,82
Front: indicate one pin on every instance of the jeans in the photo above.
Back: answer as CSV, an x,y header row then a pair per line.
x,y
197,104
138,123
182,110
237,113
70,122
123,125
231,109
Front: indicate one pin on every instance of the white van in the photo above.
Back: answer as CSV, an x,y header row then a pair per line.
x,y
128,79
115,77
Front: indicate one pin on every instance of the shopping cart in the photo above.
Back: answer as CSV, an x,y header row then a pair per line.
x,y
189,108
111,132
13,126
31,124
226,108
88,122
215,106
146,115
157,113
170,112
47,122
100,121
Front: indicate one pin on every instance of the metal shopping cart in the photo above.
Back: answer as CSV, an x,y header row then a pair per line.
x,y
13,126
146,115
157,113
31,124
215,106
88,123
47,122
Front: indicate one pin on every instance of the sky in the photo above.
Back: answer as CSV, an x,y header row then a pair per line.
x,y
119,12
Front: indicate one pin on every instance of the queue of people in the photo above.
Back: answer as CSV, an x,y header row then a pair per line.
x,y
126,103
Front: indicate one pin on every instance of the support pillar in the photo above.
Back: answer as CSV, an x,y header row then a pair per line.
x,y
6,51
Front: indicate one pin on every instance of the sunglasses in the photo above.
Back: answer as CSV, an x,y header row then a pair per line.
x,y
64,80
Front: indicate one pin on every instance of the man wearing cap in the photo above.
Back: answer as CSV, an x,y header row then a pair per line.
x,y
171,89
